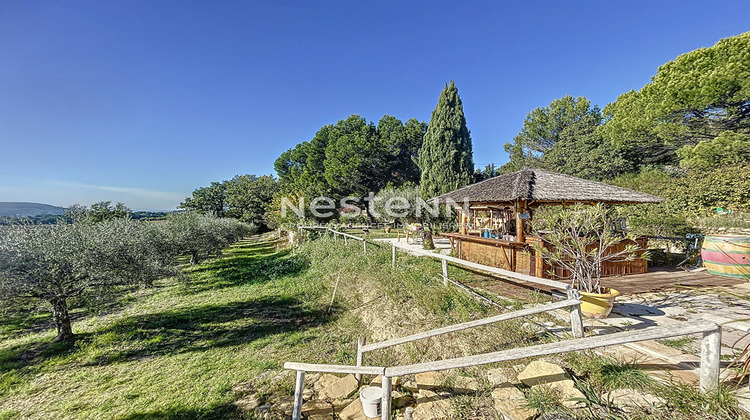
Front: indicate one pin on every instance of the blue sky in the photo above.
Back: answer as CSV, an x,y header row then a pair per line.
x,y
144,101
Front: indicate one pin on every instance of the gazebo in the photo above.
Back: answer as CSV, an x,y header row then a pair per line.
x,y
494,213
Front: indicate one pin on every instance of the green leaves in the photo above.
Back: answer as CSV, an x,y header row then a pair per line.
x,y
446,156
563,137
244,197
582,239
726,149
693,99
349,158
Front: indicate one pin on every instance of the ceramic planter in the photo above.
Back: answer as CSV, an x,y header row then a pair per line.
x,y
598,305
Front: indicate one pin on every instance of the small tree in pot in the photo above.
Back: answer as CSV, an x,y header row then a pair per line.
x,y
579,240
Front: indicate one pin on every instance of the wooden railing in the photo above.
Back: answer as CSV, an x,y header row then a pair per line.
x,y
576,326
710,345
343,235
445,259
708,376
476,266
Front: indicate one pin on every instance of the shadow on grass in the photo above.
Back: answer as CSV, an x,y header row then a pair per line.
x,y
205,327
225,411
246,267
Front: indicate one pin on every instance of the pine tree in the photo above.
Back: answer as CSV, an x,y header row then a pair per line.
x,y
446,156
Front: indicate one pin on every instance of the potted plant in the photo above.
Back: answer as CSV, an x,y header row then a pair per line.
x,y
578,239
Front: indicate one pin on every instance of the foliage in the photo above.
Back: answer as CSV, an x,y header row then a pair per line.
x,y
202,236
244,197
689,195
354,163
563,137
97,212
731,221
727,148
208,200
58,262
489,171
446,156
544,127
249,196
696,97
394,204
351,158
236,321
580,236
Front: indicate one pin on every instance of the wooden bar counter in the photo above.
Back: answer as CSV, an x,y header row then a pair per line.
x,y
521,257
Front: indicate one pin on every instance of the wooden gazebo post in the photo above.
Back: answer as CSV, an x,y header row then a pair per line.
x,y
520,208
463,220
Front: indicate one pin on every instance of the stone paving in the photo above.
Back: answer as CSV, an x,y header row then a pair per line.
x,y
726,306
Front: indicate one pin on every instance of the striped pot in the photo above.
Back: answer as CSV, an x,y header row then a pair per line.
x,y
727,255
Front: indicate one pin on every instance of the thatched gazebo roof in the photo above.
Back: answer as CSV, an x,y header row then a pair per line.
x,y
537,186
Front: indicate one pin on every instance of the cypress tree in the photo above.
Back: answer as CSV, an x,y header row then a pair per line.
x,y
446,157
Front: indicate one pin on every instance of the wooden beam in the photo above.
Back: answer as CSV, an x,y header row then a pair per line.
x,y
576,344
310,367
520,208
385,402
485,268
471,324
710,360
298,388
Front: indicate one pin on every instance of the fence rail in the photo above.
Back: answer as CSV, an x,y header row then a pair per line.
x,y
577,329
343,235
709,366
481,267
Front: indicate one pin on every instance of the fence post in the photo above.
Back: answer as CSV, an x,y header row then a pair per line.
x,y
576,320
360,355
299,387
345,241
710,360
445,272
364,246
393,255
385,403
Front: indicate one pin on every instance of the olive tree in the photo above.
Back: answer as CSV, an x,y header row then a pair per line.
x,y
580,238
200,236
58,262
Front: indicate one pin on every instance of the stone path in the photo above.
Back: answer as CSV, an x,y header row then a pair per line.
x,y
442,246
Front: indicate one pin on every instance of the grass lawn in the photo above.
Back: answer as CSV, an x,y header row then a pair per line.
x,y
176,350
181,348
173,351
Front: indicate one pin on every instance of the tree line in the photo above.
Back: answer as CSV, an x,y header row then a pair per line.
x,y
674,135
353,158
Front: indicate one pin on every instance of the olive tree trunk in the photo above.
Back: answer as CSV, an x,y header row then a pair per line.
x,y
62,320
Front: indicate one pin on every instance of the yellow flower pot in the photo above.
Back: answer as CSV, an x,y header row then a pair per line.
x,y
598,305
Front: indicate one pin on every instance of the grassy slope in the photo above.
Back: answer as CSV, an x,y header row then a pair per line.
x,y
176,350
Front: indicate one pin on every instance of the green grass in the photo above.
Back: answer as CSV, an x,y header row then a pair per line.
x,y
596,376
176,350
681,343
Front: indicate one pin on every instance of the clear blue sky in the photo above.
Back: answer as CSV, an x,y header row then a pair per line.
x,y
144,101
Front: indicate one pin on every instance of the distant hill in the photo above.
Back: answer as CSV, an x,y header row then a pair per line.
x,y
19,209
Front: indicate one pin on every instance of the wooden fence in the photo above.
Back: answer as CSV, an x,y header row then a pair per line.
x,y
709,365
576,326
710,345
